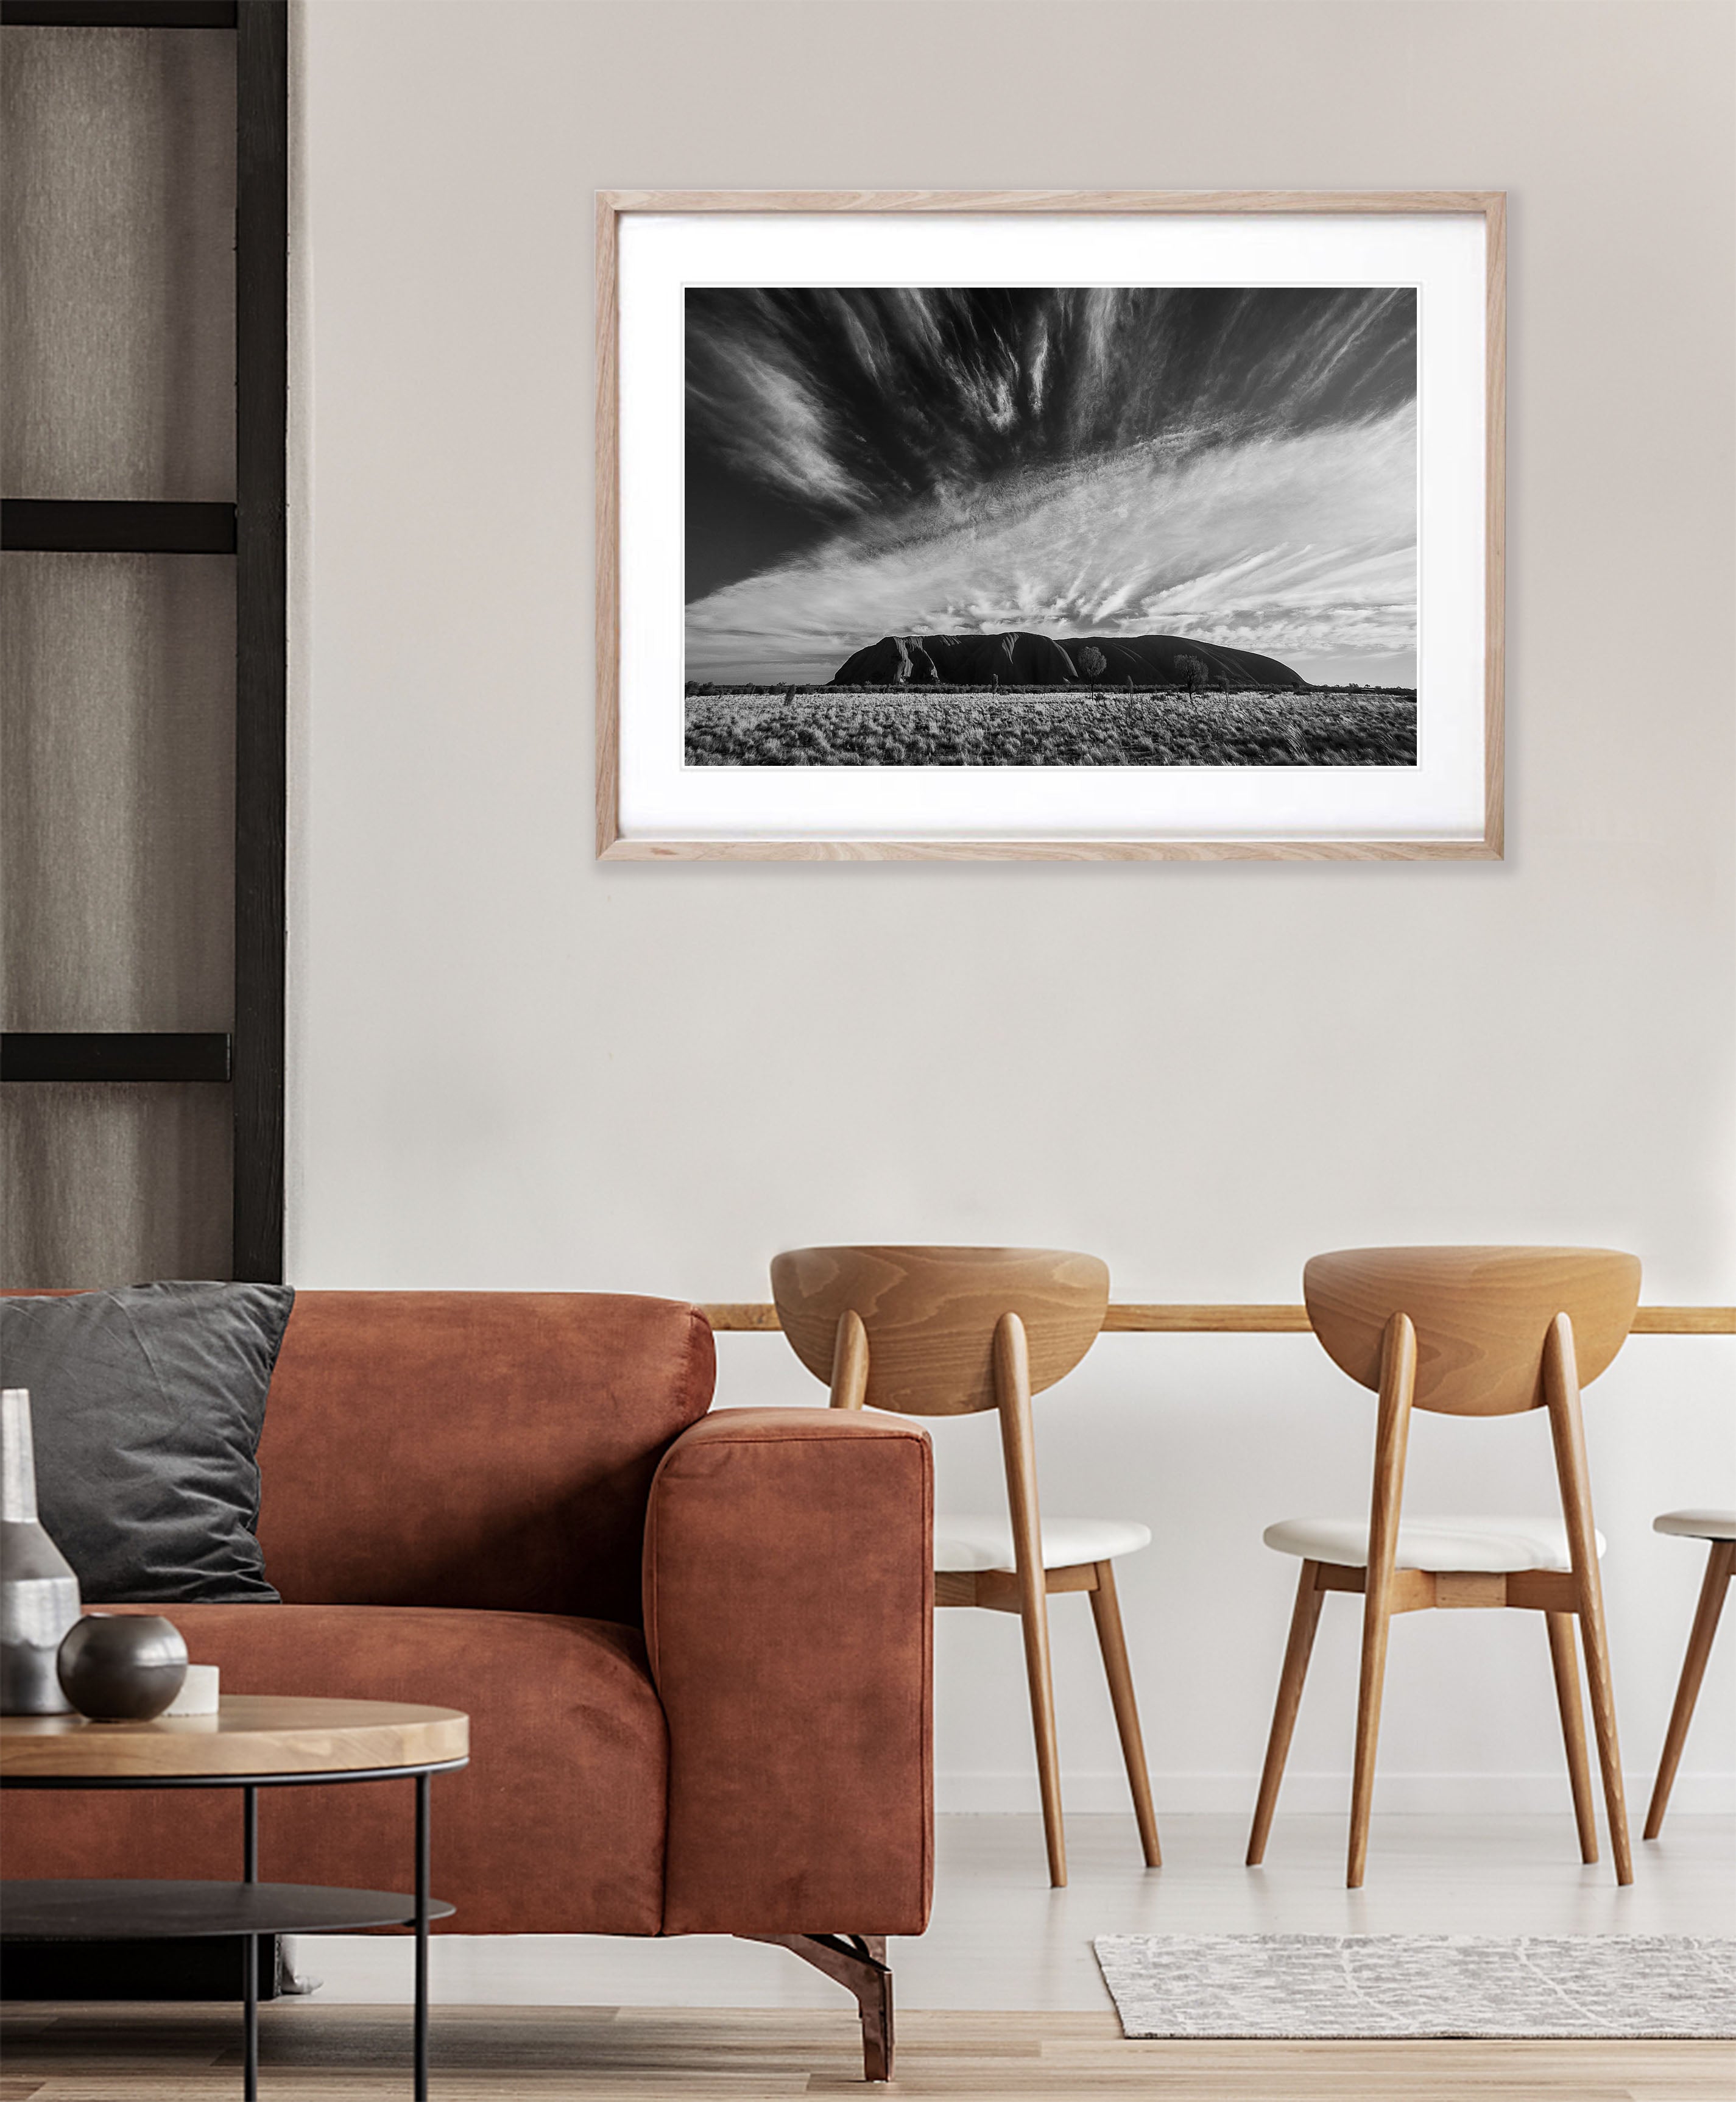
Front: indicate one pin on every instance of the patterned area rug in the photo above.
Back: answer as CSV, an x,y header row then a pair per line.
x,y
1289,1986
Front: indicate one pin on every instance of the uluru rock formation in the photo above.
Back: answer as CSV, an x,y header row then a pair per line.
x,y
1019,659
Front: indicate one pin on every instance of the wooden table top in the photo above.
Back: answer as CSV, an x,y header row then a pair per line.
x,y
1131,1317
251,1733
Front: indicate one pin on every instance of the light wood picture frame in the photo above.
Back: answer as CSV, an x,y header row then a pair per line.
x,y
1027,287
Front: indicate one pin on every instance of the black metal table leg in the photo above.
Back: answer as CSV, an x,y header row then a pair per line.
x,y
251,1951
424,1783
215,1912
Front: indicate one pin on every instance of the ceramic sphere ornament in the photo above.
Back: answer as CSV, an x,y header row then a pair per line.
x,y
122,1667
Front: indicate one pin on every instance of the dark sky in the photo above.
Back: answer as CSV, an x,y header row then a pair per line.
x,y
905,395
1235,463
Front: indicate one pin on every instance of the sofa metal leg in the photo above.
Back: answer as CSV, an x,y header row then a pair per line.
x,y
859,1961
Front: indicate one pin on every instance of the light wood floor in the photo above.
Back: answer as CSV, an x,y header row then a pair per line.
x,y
1001,1938
708,2017
338,2053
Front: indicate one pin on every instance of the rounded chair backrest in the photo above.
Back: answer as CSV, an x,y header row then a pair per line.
x,y
931,1315
1481,1316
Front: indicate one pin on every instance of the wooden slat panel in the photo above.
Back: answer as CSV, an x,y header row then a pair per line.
x,y
117,785
109,1183
117,248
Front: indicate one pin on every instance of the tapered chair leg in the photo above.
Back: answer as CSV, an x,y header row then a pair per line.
x,y
1719,1565
1560,1626
1392,1433
1036,1625
1609,1749
1303,1622
1567,1432
1377,1620
1105,1609
1018,1451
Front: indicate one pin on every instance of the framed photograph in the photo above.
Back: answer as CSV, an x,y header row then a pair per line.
x,y
1049,525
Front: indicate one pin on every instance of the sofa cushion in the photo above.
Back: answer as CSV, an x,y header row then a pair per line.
x,y
474,1448
555,1827
146,1404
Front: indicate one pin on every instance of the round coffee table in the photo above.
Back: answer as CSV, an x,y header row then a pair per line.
x,y
253,1741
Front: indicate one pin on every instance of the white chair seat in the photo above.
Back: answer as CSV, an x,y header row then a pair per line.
x,y
1697,1524
1491,1545
986,1543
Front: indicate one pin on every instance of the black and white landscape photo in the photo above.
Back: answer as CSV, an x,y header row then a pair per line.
x,y
1099,526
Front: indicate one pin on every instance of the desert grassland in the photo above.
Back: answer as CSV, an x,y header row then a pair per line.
x,y
1077,727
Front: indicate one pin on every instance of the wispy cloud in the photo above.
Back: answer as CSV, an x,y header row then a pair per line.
x,y
1300,543
772,427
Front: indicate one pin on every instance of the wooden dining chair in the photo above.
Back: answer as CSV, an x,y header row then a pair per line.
x,y
951,1332
1717,1527
1465,1331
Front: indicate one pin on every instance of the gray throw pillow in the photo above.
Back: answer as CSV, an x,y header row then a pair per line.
x,y
146,1403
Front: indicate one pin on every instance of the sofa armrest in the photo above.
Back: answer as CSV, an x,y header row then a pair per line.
x,y
789,1608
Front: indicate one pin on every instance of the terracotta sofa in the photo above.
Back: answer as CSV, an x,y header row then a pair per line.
x,y
695,1648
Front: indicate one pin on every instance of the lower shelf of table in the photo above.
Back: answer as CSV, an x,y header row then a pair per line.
x,y
86,1908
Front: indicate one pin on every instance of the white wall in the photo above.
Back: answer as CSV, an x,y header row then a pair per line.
x,y
511,1066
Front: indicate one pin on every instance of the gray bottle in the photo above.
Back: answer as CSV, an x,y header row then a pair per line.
x,y
38,1592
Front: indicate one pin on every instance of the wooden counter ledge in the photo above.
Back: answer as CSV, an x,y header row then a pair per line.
x,y
1130,1317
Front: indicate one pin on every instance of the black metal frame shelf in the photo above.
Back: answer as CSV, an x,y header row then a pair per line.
x,y
97,525
118,14
253,531
111,1055
262,404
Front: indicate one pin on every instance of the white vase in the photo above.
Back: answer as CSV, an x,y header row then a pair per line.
x,y
38,1592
